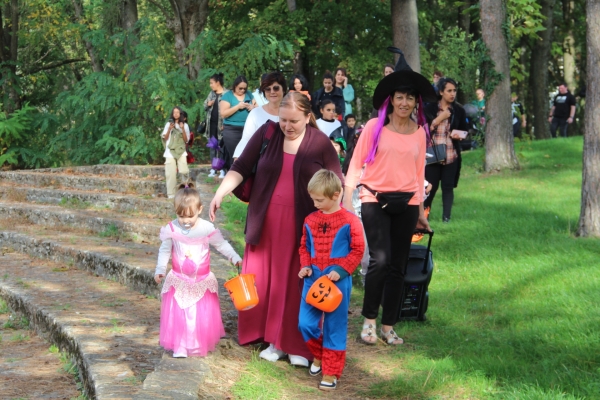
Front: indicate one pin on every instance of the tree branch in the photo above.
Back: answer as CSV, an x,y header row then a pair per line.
x,y
161,8
53,65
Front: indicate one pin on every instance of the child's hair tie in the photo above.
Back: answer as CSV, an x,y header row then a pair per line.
x,y
186,186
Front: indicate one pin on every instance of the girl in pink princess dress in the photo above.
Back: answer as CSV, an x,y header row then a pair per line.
x,y
190,316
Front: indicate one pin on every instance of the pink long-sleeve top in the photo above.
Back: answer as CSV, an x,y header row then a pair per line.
x,y
399,164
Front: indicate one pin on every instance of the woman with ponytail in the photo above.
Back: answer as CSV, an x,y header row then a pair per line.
x,y
279,203
444,117
392,150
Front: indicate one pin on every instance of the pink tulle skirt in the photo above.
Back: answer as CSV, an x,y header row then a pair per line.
x,y
196,329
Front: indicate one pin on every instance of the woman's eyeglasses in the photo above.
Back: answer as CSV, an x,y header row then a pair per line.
x,y
243,89
273,89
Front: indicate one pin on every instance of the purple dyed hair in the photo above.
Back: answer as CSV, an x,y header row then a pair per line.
x,y
381,117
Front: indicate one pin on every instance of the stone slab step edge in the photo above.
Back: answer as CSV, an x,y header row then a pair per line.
x,y
160,207
119,185
136,278
173,379
51,216
47,327
129,171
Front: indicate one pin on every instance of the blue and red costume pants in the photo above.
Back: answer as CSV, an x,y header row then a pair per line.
x,y
329,343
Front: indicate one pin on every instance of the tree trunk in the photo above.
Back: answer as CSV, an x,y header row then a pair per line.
x,y
9,52
499,144
464,18
186,23
589,220
291,5
539,68
405,30
297,61
129,17
79,15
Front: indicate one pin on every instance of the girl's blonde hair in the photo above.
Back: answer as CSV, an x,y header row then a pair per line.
x,y
299,101
325,182
187,200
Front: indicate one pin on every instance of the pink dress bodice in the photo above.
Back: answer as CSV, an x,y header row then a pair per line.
x,y
191,275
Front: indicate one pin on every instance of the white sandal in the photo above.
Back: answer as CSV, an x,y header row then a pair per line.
x,y
370,333
390,337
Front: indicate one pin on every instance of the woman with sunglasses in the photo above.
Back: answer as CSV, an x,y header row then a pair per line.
x,y
273,87
235,106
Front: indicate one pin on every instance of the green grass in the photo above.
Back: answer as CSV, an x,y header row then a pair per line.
x,y
74,203
513,310
4,307
235,221
111,231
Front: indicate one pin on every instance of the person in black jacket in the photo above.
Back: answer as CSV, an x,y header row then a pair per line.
x,y
443,117
328,91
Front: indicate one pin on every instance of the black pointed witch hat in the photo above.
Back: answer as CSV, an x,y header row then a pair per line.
x,y
403,75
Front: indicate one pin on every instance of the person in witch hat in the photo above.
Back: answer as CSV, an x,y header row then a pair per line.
x,y
393,149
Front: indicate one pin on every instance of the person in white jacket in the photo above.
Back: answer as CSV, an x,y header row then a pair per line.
x,y
273,87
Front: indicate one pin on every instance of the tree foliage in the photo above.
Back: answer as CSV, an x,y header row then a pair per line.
x,y
98,91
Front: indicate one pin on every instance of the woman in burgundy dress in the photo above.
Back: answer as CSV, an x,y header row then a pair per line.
x,y
279,202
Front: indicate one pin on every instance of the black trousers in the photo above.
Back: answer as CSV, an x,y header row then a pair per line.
x,y
389,238
517,130
446,174
231,137
561,124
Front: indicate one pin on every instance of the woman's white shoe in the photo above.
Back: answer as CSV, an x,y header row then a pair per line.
x,y
271,353
298,361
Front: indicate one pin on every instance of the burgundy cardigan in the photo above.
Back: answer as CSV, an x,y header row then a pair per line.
x,y
315,152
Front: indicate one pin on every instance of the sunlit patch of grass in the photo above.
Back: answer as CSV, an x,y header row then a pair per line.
x,y
512,311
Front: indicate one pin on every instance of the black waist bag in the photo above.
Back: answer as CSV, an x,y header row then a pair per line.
x,y
392,202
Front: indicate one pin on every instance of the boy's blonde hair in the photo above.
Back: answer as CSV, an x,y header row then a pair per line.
x,y
187,200
325,182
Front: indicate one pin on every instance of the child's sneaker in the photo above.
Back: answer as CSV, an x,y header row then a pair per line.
x,y
315,368
212,173
271,353
329,382
222,174
181,353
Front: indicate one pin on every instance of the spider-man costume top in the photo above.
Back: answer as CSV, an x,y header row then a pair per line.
x,y
332,239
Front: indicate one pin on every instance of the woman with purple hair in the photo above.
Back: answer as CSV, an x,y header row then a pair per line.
x,y
392,150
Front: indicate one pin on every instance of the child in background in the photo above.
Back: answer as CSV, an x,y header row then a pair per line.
x,y
350,127
332,244
339,144
190,316
328,123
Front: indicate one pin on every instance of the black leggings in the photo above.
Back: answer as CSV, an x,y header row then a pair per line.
x,y
446,174
389,238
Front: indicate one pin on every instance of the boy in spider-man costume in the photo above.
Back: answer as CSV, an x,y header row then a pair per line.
x,y
333,245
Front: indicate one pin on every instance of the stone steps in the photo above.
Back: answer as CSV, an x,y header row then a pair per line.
x,y
130,264
103,222
109,330
126,171
89,234
71,197
84,182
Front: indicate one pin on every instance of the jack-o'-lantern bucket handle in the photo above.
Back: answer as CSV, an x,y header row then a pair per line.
x,y
324,295
242,290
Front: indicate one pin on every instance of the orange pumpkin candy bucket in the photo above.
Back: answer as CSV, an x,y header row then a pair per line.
x,y
242,290
324,295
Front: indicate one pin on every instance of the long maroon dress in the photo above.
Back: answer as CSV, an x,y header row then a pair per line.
x,y
276,262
